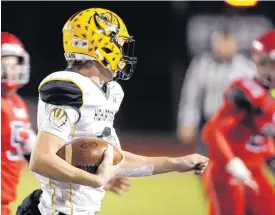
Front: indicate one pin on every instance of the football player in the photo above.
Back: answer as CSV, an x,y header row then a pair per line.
x,y
239,138
17,137
82,101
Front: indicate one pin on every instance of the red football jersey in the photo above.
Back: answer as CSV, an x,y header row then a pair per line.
x,y
243,127
15,125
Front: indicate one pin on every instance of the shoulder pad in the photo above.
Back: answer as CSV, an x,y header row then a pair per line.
x,y
58,89
251,88
238,97
246,94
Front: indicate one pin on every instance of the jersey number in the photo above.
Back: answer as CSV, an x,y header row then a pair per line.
x,y
18,136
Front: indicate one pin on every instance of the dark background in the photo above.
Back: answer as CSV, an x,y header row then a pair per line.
x,y
150,102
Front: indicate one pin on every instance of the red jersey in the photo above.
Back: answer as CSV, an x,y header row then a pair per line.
x,y
243,127
15,125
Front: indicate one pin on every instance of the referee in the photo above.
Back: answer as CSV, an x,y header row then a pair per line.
x,y
206,79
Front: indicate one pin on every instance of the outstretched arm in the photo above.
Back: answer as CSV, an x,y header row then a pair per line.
x,y
139,166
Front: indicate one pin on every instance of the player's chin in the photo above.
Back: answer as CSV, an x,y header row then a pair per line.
x,y
108,75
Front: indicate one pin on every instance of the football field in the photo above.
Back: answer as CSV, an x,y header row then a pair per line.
x,y
176,194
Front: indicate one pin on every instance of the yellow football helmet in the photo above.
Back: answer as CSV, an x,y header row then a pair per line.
x,y
101,35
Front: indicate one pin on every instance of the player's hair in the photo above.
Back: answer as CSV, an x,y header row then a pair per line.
x,y
77,65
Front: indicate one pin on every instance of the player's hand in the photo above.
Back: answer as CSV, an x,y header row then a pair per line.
x,y
194,162
106,170
118,185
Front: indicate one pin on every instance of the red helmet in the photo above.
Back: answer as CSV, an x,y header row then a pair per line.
x,y
13,76
263,50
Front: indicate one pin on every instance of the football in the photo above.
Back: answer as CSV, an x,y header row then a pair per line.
x,y
87,153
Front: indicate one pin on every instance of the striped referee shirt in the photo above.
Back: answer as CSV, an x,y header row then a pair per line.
x,y
204,84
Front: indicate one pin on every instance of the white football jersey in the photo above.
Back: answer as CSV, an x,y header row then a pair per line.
x,y
72,106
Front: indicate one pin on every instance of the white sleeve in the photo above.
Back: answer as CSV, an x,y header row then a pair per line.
x,y
58,120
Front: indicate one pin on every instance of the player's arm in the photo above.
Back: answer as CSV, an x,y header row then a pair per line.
x,y
234,165
45,162
139,166
56,123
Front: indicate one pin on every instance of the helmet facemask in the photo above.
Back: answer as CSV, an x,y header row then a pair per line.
x,y
15,74
126,45
15,65
128,62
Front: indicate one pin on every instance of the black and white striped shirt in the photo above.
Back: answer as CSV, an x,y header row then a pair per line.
x,y
204,84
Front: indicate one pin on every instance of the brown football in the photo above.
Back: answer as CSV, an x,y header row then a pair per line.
x,y
87,153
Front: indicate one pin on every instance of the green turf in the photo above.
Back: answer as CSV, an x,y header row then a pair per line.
x,y
177,194
168,194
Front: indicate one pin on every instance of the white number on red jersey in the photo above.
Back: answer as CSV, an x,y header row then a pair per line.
x,y
19,133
